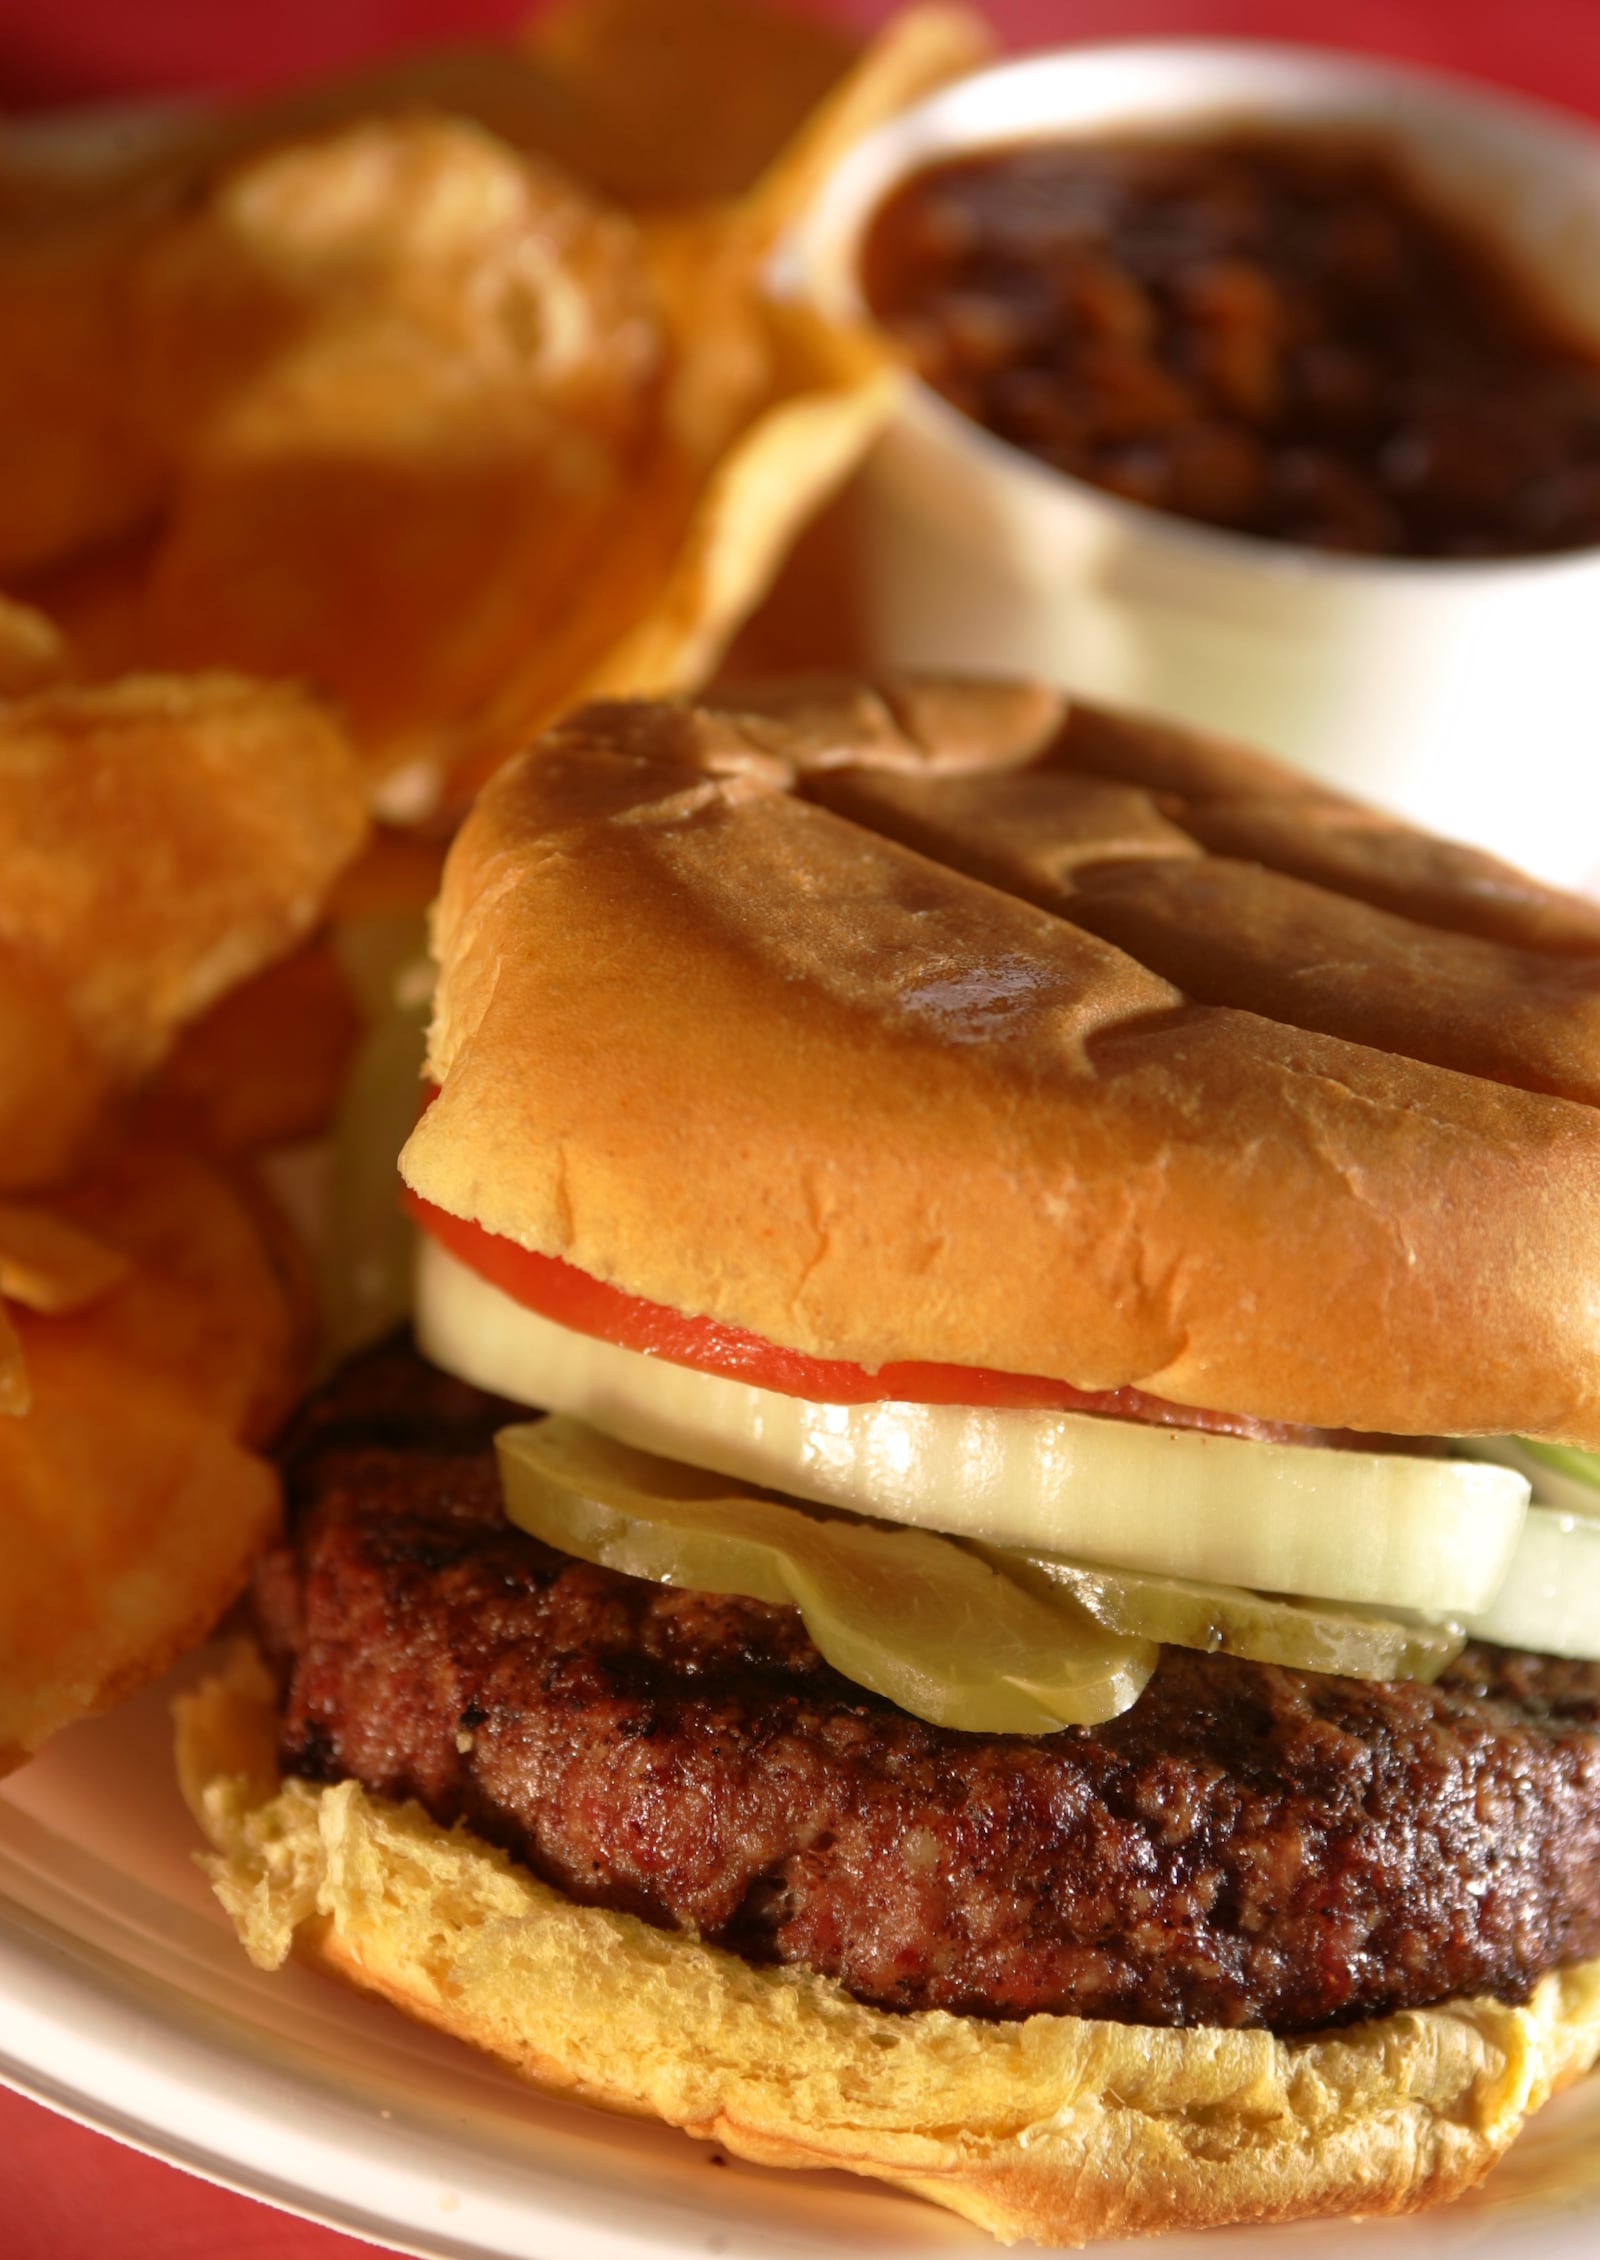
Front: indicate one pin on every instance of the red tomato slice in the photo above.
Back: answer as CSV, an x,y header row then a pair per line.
x,y
571,1297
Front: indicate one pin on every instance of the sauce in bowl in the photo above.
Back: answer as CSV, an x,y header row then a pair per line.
x,y
1280,335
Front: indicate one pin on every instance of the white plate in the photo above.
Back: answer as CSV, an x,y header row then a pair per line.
x,y
125,2001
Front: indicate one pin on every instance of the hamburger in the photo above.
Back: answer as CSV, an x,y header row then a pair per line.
x,y
987,1677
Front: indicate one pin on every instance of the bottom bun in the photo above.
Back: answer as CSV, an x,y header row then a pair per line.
x,y
1056,2128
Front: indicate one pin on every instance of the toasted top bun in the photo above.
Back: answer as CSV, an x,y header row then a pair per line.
x,y
1054,2128
954,1021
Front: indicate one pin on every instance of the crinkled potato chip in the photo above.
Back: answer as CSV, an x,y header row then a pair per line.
x,y
47,1264
917,51
33,650
95,600
53,1085
50,1264
619,91
459,417
80,465
395,871
217,1303
640,80
811,618
15,1396
418,369
421,234
133,1510
132,1521
266,1065
453,390
160,840
75,467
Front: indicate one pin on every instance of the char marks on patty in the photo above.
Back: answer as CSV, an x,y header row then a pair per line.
x,y
1247,1845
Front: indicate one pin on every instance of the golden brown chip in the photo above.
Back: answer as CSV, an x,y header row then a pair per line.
x,y
417,369
641,81
267,1063
47,1264
811,617
50,1264
460,427
765,410
80,462
828,396
15,1396
618,90
159,841
75,466
211,1307
33,651
95,601
396,871
917,51
53,1086
132,1509
132,1520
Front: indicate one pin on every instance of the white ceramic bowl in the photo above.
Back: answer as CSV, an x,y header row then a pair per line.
x,y
1466,695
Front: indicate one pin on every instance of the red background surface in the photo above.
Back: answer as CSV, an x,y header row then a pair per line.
x,y
66,2194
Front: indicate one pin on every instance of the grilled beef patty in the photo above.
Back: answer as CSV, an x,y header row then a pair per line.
x,y
1247,1845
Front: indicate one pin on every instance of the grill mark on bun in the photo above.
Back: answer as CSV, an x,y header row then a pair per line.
x,y
1303,1129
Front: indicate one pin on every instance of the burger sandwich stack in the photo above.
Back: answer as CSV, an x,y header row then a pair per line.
x,y
948,1595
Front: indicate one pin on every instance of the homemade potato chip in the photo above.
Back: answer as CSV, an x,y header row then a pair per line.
x,y
216,1303
454,390
47,1264
917,50
458,427
745,519
132,1509
812,617
132,1521
33,650
50,1264
427,230
159,841
75,466
417,369
15,1395
267,1063
95,600
619,91
80,463
53,1085
641,80
395,871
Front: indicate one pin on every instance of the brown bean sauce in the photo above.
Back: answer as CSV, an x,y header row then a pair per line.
x,y
1279,336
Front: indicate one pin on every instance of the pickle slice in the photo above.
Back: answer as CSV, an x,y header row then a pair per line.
x,y
1385,1530
1227,1620
942,1633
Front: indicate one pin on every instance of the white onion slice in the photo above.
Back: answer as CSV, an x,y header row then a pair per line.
x,y
1557,1472
1435,1535
1550,1600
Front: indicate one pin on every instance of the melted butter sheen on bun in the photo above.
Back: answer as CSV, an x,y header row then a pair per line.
x,y
955,1022
1054,2128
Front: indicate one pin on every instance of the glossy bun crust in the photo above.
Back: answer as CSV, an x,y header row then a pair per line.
x,y
959,1022
1055,2128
